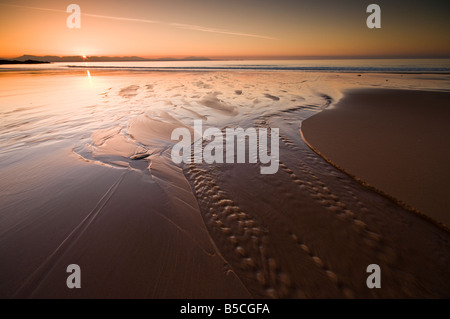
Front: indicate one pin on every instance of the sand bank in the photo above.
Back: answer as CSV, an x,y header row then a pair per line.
x,y
395,140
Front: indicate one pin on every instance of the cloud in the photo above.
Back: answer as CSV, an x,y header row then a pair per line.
x,y
176,25
213,30
118,18
34,8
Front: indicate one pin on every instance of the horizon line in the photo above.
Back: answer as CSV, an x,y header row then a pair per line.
x,y
242,57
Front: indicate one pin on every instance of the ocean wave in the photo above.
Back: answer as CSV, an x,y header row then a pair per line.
x,y
272,68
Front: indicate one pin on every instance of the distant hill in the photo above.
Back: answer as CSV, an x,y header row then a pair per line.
x,y
77,58
22,62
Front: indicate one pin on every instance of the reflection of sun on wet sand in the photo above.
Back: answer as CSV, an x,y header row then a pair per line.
x,y
88,179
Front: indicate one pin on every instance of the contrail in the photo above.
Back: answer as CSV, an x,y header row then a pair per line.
x,y
176,25
35,8
212,30
119,18
85,14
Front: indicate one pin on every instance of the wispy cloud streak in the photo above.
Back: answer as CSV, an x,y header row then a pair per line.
x,y
119,18
85,14
34,8
176,25
213,30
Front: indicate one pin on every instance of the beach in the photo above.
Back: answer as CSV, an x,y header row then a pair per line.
x,y
87,179
394,140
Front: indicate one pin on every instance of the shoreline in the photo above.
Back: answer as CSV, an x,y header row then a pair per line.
x,y
376,190
22,68
320,131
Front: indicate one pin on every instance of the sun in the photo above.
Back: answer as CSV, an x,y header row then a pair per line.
x,y
84,56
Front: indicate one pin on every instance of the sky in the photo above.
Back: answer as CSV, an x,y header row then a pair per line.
x,y
226,28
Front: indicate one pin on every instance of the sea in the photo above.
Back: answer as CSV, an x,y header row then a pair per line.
x,y
339,65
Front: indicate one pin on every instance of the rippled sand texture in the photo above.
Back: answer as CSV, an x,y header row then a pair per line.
x,y
87,178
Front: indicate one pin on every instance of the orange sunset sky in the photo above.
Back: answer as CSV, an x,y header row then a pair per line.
x,y
231,28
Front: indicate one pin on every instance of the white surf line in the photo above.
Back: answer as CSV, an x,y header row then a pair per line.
x,y
41,273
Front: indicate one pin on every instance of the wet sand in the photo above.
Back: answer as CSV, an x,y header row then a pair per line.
x,y
87,179
395,140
